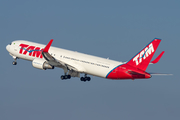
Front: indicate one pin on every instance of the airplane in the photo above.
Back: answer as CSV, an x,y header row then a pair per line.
x,y
74,63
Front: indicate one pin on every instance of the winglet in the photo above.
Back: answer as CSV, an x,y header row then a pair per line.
x,y
158,58
46,49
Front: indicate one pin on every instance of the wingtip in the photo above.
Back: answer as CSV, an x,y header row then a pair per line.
x,y
46,49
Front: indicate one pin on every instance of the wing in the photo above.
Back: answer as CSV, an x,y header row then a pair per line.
x,y
58,63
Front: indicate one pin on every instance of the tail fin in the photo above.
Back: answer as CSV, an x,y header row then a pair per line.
x,y
143,58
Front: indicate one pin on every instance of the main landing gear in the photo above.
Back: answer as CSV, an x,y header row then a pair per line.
x,y
68,73
85,78
64,77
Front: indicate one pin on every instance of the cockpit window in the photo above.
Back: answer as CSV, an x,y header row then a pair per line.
x,y
10,43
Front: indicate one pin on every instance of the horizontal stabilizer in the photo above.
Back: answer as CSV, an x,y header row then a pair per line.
x,y
158,58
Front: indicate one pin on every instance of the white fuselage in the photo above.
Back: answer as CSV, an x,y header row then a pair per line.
x,y
87,64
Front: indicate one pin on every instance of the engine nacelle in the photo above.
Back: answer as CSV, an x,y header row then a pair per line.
x,y
41,64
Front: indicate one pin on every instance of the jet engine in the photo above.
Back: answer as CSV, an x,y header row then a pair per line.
x,y
41,64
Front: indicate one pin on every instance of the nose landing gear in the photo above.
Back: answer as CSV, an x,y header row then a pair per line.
x,y
14,62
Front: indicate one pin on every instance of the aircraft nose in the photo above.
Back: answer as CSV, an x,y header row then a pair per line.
x,y
7,47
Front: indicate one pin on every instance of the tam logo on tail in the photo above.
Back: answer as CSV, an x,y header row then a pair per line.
x,y
143,58
144,54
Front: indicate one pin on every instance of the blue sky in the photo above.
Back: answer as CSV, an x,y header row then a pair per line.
x,y
114,29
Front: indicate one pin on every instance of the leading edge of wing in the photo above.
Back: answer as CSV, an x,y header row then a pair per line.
x,y
58,63
51,60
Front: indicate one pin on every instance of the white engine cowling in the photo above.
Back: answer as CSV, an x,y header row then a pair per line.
x,y
41,64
